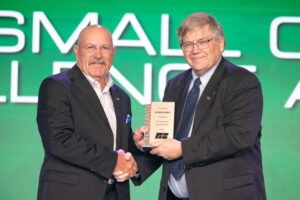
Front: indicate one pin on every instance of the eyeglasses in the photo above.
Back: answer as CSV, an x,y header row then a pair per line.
x,y
93,49
201,44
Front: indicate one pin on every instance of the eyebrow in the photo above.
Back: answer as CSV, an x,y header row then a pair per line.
x,y
200,39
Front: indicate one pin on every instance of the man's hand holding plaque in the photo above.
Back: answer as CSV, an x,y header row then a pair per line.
x,y
159,125
159,120
156,135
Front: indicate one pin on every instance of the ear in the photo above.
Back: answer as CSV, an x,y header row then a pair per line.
x,y
75,49
114,50
221,42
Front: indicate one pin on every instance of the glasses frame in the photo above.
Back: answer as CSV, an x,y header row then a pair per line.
x,y
198,45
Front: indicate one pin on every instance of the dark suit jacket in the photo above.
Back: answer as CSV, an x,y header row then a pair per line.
x,y
222,157
77,138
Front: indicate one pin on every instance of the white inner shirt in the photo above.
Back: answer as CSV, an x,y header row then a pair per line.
x,y
106,102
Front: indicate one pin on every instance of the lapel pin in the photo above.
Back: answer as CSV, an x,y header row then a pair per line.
x,y
208,97
117,98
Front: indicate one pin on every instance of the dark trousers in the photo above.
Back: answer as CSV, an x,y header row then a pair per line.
x,y
111,192
171,196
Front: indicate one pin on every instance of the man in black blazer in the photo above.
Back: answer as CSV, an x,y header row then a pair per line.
x,y
216,152
83,118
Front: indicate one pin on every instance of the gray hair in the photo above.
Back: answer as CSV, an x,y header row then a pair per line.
x,y
199,19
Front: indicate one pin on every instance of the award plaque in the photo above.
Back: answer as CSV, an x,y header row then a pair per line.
x,y
159,119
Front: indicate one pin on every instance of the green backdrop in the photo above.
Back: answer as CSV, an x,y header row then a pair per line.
x,y
261,35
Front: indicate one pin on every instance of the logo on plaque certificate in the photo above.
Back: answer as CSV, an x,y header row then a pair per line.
x,y
159,119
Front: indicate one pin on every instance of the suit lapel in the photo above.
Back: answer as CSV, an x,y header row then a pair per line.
x,y
83,86
115,95
183,87
208,95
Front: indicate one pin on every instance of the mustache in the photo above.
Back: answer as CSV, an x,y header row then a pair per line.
x,y
97,61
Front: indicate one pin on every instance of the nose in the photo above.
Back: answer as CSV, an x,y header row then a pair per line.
x,y
98,53
196,48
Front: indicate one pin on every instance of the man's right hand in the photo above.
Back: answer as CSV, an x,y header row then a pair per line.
x,y
126,166
138,136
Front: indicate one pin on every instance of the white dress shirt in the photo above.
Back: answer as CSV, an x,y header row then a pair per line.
x,y
106,102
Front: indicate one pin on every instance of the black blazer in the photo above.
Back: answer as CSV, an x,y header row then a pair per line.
x,y
77,138
222,157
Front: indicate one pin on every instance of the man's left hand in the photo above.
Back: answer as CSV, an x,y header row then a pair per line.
x,y
169,149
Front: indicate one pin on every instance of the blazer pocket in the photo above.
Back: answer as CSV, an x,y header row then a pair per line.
x,y
237,181
61,177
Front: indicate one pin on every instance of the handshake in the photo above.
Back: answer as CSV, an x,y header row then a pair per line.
x,y
126,166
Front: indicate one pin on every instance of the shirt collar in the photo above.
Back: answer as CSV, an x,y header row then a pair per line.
x,y
94,83
205,77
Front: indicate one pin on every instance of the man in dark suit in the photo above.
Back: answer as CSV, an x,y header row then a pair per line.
x,y
83,118
218,109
